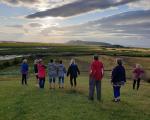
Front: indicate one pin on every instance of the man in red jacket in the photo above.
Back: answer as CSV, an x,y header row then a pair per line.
x,y
96,75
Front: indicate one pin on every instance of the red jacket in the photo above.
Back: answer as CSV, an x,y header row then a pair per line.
x,y
41,70
96,70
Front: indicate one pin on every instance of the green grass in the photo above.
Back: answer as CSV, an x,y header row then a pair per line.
x,y
30,103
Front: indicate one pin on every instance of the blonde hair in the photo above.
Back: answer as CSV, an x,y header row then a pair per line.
x,y
36,61
138,65
25,61
72,61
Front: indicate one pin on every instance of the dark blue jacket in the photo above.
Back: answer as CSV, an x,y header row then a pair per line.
x,y
24,68
118,74
73,70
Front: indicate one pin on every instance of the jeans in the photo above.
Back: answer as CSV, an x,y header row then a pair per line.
x,y
61,80
92,84
41,82
52,79
116,91
24,79
138,83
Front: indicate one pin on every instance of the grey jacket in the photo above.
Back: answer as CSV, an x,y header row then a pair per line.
x,y
61,70
52,70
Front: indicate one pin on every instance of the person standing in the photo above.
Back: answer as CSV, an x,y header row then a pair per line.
x,y
73,71
96,75
24,71
52,73
41,73
36,70
61,74
118,79
137,75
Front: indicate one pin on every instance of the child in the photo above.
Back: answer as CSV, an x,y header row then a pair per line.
x,y
52,73
41,73
24,71
36,70
118,79
61,74
137,74
73,71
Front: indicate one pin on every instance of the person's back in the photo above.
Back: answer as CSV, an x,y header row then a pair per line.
x,y
61,70
73,69
52,69
24,68
118,74
41,70
96,70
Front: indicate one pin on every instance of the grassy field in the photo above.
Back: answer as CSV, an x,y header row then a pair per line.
x,y
19,102
30,103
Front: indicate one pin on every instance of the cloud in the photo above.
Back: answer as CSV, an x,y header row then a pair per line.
x,y
36,4
128,27
78,7
142,4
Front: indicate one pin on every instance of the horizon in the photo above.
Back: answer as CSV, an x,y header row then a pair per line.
x,y
118,22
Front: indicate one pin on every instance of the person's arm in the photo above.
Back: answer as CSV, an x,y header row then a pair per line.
x,y
68,72
78,70
113,74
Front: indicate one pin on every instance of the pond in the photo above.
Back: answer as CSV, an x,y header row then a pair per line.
x,y
9,57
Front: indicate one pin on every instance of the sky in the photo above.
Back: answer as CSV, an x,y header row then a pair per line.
x,y
123,22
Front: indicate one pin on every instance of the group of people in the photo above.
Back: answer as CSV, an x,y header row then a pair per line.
x,y
96,73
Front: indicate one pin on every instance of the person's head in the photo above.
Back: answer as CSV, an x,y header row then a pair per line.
x,y
60,61
51,61
25,61
119,61
36,61
95,57
40,61
72,61
138,66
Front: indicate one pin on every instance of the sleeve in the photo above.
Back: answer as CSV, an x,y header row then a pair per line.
x,y
78,70
64,69
68,72
113,74
124,75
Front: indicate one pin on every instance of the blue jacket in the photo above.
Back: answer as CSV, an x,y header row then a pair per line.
x,y
118,75
24,68
73,70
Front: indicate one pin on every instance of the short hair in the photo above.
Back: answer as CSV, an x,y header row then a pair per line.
x,y
60,61
95,57
51,60
119,61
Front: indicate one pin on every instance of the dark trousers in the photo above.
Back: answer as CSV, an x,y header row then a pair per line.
x,y
92,84
61,80
138,83
72,78
41,82
24,79
116,91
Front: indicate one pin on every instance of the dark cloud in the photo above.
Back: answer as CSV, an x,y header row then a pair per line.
x,y
35,25
20,1
79,7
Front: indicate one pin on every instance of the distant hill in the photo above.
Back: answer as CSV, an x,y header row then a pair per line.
x,y
80,42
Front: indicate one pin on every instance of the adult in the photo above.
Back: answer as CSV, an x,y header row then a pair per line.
x,y
52,73
61,74
73,71
41,73
96,75
118,79
137,75
24,71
